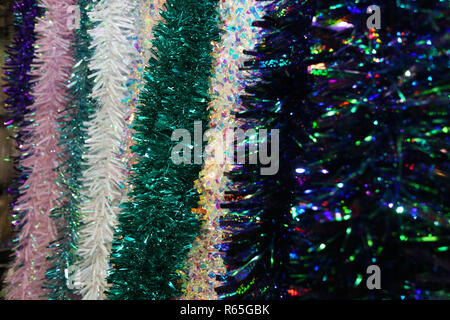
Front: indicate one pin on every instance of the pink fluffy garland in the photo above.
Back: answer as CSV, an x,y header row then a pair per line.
x,y
40,193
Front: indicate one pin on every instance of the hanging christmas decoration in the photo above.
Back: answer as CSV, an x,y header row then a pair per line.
x,y
40,193
61,277
157,226
148,17
205,264
103,176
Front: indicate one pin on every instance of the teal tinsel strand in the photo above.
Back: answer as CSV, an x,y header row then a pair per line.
x,y
72,139
157,226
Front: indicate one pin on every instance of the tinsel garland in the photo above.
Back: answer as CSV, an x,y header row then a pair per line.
x,y
148,17
18,83
205,263
103,177
262,244
40,192
374,185
157,226
72,139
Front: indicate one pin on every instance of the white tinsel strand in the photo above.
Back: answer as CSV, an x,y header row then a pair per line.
x,y
103,178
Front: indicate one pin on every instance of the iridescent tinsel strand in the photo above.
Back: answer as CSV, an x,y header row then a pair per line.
x,y
205,265
148,13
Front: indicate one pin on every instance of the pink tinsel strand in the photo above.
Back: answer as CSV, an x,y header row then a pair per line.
x,y
40,192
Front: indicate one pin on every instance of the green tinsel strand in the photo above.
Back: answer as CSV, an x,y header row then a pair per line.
x,y
72,139
157,227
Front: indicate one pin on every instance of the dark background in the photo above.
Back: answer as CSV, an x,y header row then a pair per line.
x,y
6,146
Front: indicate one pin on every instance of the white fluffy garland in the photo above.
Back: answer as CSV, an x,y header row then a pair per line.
x,y
103,178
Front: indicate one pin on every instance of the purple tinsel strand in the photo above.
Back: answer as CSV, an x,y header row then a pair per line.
x,y
18,83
